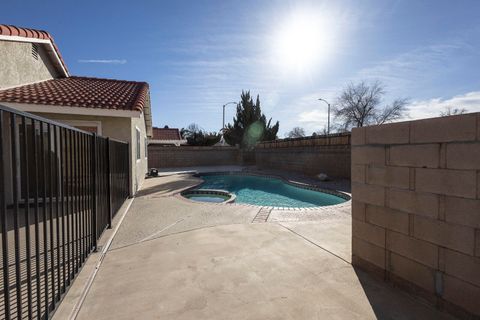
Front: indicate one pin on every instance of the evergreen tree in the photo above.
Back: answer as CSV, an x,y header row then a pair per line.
x,y
250,124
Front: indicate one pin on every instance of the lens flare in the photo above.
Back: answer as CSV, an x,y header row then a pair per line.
x,y
254,133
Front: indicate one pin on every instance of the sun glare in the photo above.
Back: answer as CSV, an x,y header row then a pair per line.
x,y
302,41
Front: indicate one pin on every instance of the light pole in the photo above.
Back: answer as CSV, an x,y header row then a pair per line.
x,y
328,123
226,104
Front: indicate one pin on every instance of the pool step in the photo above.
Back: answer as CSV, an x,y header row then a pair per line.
x,y
262,215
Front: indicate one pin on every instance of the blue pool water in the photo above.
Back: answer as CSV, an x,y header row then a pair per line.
x,y
265,191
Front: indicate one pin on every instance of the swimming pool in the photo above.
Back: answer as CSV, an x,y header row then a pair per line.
x,y
267,191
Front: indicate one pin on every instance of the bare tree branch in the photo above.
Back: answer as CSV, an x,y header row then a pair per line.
x,y
452,111
296,132
393,112
360,104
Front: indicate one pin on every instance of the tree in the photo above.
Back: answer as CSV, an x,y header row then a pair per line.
x,y
196,136
322,132
296,132
451,111
250,124
360,105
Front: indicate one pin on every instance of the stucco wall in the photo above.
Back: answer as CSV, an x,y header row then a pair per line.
x,y
140,166
113,127
416,207
185,156
310,156
18,66
120,128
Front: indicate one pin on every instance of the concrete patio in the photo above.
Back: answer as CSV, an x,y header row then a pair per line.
x,y
175,259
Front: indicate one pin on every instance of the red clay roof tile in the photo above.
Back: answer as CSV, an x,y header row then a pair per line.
x,y
81,92
166,134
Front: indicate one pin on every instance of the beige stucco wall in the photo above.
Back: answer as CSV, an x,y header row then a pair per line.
x,y
113,127
18,66
416,207
140,166
120,128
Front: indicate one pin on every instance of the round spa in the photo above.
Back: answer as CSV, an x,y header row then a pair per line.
x,y
209,195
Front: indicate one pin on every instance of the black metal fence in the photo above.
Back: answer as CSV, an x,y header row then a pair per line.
x,y
59,190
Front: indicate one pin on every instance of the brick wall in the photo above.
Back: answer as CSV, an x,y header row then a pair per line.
x,y
416,207
311,155
185,156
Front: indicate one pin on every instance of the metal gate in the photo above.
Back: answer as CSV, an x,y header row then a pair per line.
x,y
59,190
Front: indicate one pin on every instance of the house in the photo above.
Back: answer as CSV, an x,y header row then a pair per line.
x,y
34,78
167,137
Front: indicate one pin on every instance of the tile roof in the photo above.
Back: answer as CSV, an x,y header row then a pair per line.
x,y
81,92
8,30
166,134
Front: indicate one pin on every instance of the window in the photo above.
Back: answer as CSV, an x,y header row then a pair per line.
x,y
146,148
138,144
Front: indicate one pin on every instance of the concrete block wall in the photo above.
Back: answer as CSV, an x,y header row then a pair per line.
x,y
188,156
416,208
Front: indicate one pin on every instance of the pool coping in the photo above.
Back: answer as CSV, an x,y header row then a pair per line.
x,y
220,192
341,194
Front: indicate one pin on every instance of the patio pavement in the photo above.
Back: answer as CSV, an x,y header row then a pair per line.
x,y
176,259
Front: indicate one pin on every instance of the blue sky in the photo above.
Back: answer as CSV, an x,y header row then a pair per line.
x,y
198,55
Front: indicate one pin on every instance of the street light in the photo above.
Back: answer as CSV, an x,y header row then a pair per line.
x,y
328,124
226,104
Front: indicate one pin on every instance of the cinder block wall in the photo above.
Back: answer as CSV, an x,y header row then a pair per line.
x,y
186,156
310,155
416,207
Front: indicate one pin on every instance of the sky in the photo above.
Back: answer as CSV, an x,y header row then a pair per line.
x,y
199,55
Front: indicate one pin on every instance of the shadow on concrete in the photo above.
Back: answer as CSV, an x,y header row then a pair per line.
x,y
155,186
389,302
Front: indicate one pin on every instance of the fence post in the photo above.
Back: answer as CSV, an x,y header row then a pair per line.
x,y
94,190
3,216
129,171
109,186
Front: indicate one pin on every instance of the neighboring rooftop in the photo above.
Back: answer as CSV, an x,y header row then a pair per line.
x,y
81,92
166,134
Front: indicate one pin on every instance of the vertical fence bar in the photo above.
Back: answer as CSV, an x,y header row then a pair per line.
x,y
72,206
57,206
76,199
26,198
16,184
44,217
94,190
84,188
36,217
50,207
78,192
85,194
89,185
4,221
63,184
80,197
109,185
68,142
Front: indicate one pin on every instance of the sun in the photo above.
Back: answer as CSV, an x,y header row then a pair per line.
x,y
302,41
